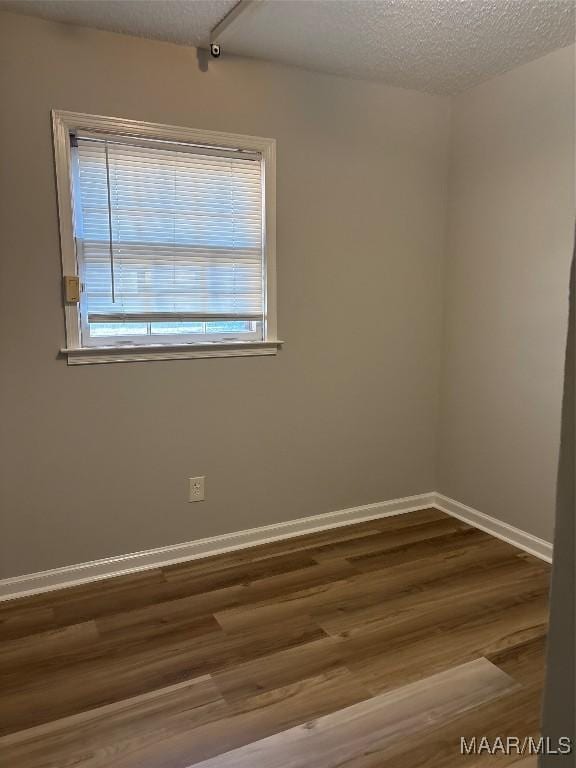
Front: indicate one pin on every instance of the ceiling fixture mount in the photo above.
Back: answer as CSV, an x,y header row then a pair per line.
x,y
224,25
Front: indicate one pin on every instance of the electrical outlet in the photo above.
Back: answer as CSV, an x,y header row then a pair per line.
x,y
196,488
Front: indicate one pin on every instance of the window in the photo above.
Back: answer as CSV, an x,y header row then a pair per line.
x,y
170,232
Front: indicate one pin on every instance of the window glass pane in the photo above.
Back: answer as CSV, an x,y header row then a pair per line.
x,y
118,329
230,326
176,328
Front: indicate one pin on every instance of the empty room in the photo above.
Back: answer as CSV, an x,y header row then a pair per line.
x,y
287,383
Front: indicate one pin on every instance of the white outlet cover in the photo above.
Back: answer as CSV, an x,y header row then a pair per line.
x,y
196,488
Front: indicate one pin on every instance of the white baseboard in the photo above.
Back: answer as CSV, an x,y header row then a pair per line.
x,y
70,575
526,541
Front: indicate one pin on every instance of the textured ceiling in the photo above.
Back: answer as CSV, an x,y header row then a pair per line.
x,y
440,46
178,21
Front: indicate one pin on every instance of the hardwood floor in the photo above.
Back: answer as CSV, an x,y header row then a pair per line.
x,y
377,644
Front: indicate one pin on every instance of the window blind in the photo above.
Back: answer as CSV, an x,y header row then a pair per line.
x,y
168,232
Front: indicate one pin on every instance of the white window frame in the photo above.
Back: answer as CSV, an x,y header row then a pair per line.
x,y
65,123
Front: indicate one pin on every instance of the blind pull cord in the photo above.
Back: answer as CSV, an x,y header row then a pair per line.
x,y
110,223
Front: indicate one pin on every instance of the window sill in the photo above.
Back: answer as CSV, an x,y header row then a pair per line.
x,y
139,353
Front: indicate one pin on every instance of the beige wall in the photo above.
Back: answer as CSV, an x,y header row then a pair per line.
x,y
511,223
95,458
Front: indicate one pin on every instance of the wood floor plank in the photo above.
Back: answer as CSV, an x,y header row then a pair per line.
x,y
285,592
360,588
362,733
108,734
18,620
415,649
169,615
460,540
404,520
65,660
111,672
260,716
281,548
85,602
125,598
279,669
169,729
499,761
237,573
525,662
441,598
515,714
380,542
303,543
72,605
24,650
